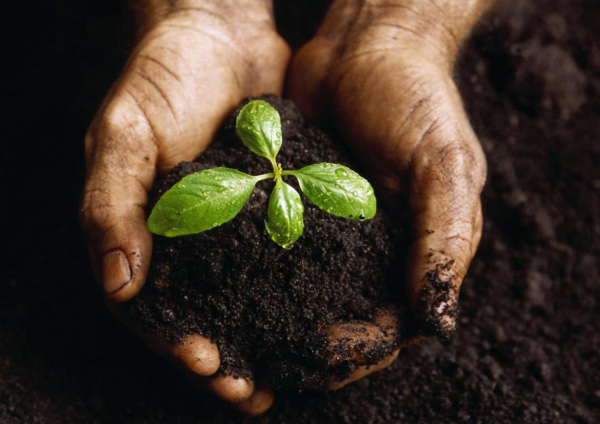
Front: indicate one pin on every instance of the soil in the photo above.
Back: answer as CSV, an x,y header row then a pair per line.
x,y
268,308
527,347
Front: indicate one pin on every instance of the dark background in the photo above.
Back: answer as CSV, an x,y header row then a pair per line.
x,y
528,346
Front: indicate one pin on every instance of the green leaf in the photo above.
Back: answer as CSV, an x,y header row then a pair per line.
x,y
259,126
286,223
200,202
338,190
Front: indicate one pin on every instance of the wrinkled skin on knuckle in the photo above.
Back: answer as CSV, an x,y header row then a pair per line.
x,y
120,129
448,163
90,217
102,213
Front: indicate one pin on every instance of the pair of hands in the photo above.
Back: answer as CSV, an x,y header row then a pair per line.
x,y
381,70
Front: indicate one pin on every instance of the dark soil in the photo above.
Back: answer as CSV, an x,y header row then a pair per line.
x,y
266,308
527,347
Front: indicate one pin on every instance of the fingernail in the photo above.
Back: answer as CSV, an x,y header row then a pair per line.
x,y
116,272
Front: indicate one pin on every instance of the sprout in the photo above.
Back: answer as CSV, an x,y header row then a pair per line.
x,y
207,199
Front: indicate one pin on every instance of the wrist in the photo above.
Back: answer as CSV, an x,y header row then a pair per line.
x,y
240,16
433,28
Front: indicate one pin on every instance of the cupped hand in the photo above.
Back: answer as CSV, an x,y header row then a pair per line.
x,y
382,71
193,64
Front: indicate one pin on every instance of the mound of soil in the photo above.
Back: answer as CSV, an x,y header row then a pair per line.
x,y
267,308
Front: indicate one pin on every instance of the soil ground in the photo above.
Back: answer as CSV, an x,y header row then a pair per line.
x,y
528,345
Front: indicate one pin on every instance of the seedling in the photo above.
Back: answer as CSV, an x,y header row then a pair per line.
x,y
207,199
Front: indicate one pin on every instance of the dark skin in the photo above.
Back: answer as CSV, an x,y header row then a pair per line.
x,y
197,59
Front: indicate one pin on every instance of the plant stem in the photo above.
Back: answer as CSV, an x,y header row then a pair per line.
x,y
264,176
288,172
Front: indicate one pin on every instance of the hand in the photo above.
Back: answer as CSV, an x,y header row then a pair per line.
x,y
193,64
382,71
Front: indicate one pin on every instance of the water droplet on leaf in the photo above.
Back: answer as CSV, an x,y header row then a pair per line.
x,y
341,172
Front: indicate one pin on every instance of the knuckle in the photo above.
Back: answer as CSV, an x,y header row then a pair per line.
x,y
103,205
94,212
454,161
121,129
123,122
454,164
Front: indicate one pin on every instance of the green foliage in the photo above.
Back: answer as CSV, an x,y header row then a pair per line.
x,y
285,223
338,190
259,126
201,201
207,199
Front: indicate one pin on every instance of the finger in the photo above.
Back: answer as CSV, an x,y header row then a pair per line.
x,y
365,370
361,341
369,346
193,354
447,173
120,158
198,357
229,388
258,403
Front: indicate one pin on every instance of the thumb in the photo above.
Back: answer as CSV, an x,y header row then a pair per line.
x,y
121,154
446,177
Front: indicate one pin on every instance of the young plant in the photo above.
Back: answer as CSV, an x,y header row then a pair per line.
x,y
207,199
